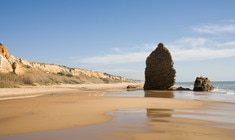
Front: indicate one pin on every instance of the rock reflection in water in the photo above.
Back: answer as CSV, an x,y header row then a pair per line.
x,y
158,115
158,93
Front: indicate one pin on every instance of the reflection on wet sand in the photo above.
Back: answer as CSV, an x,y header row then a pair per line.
x,y
158,93
158,115
151,123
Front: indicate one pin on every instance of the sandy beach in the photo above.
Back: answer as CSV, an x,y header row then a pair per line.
x,y
57,111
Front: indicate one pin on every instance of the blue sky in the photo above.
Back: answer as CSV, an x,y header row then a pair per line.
x,y
116,36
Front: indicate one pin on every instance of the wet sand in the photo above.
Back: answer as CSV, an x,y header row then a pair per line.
x,y
83,113
29,92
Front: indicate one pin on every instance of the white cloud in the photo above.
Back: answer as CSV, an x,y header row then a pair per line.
x,y
188,49
116,49
231,43
229,21
117,58
196,54
122,70
122,55
215,29
183,49
191,42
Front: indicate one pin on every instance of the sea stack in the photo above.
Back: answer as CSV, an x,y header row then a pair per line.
x,y
203,84
159,71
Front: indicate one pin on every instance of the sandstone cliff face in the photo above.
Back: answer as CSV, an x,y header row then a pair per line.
x,y
52,68
25,66
6,60
4,52
159,71
5,65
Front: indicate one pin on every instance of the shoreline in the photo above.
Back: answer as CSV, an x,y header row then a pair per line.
x,y
71,107
35,91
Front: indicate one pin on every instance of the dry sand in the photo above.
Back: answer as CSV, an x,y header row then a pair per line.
x,y
76,106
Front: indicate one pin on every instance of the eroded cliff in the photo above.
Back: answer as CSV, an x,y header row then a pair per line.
x,y
22,67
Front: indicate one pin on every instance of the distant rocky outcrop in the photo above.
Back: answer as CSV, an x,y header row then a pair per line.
x,y
182,88
4,52
203,84
159,71
8,63
14,65
6,60
134,87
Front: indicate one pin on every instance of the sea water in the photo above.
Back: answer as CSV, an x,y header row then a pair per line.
x,y
223,91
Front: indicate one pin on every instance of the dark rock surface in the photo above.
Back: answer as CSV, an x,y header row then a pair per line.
x,y
134,87
203,84
182,88
159,71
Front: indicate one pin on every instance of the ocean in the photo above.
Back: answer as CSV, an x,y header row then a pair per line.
x,y
224,91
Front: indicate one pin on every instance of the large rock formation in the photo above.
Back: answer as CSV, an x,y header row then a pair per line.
x,y
159,71
203,84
